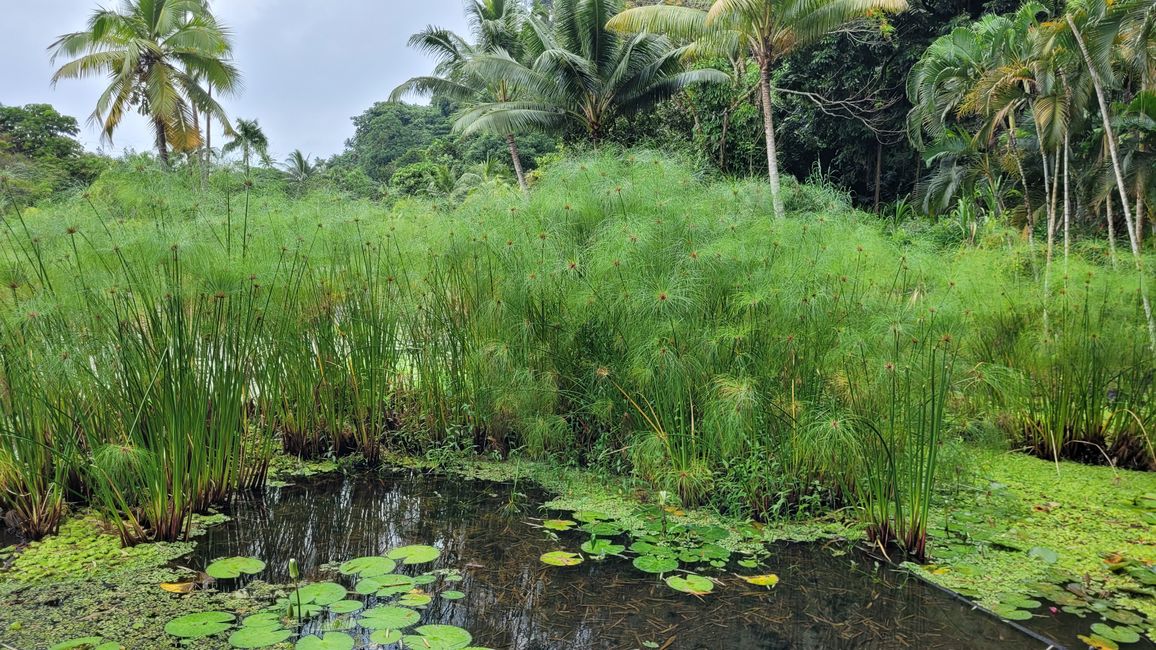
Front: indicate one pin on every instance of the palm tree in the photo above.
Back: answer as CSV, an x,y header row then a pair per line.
x,y
248,138
578,75
765,30
156,54
300,170
495,26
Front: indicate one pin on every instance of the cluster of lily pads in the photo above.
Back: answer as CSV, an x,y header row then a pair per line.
x,y
392,621
660,547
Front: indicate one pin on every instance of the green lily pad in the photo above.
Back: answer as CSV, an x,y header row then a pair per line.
x,y
1098,642
389,584
385,637
196,626
439,637
559,524
1119,634
748,564
1046,555
346,606
1012,613
331,641
561,558
425,579
1123,616
601,529
655,564
647,548
414,554
256,636
368,567
452,595
602,547
320,593
233,567
691,584
590,516
415,600
263,619
388,617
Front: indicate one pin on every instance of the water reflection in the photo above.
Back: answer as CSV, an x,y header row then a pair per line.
x,y
513,601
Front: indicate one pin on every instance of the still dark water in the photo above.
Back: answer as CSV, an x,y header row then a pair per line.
x,y
513,601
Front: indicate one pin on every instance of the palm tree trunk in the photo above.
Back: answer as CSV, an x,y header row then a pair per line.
x,y
1140,208
1117,170
207,154
161,140
769,128
878,174
517,161
1051,239
1067,202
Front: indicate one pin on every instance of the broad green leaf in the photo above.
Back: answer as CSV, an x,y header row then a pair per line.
x,y
439,637
561,558
196,626
233,567
368,567
388,617
559,524
330,641
655,564
257,636
414,554
320,593
691,584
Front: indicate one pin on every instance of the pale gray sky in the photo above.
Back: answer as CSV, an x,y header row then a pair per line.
x,y
309,65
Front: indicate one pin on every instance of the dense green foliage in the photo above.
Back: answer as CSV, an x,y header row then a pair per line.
x,y
613,318
39,154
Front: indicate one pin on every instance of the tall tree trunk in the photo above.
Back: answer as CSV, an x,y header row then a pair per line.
x,y
1051,239
162,141
517,158
207,152
1140,208
1067,202
769,128
1118,171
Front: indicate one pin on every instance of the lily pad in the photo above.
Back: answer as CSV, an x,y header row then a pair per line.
x,y
414,554
1012,613
196,626
767,580
691,584
559,524
1119,634
385,637
263,619
1098,642
415,600
388,617
602,529
602,547
590,516
87,643
331,641
452,595
1044,554
321,593
233,567
256,636
368,567
346,606
439,637
561,558
655,564
390,584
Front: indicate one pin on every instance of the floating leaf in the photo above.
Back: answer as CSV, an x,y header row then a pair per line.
x,y
320,593
452,595
385,637
1119,634
1012,613
590,516
439,637
264,619
691,584
388,618
602,529
414,554
87,643
368,567
748,564
1123,616
346,606
561,558
390,584
425,579
768,580
195,626
331,641
233,567
179,587
415,600
1098,643
1046,555
655,564
256,636
602,547
559,524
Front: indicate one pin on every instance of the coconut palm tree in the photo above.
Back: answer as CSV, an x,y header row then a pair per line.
x,y
495,26
300,170
578,75
765,30
248,138
156,54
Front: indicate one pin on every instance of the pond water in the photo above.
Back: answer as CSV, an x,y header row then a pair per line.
x,y
824,600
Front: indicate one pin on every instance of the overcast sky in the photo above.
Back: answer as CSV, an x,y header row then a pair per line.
x,y
308,65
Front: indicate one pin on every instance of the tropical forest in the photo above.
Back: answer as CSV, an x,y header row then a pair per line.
x,y
602,325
